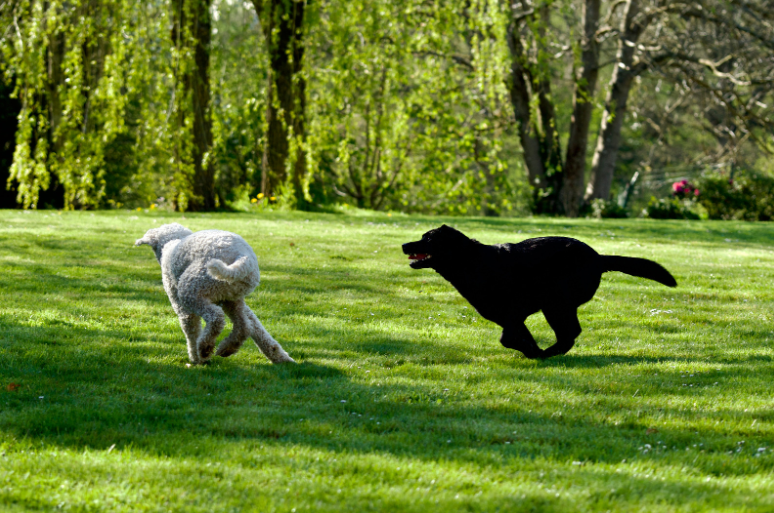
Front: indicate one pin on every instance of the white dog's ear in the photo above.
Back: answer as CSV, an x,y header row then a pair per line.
x,y
145,240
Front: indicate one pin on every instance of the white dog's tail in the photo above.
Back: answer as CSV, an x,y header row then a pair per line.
x,y
240,269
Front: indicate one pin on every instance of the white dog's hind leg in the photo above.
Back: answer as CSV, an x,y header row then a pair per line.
x,y
241,331
192,327
265,342
215,322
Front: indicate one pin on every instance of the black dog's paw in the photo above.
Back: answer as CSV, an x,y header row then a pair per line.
x,y
537,355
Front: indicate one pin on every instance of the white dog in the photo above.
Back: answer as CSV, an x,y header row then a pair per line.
x,y
205,273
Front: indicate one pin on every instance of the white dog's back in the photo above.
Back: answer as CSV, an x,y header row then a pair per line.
x,y
205,273
224,264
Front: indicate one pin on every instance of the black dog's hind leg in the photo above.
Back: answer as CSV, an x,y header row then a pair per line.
x,y
517,336
564,322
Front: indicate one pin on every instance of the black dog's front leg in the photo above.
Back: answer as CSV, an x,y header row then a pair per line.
x,y
517,336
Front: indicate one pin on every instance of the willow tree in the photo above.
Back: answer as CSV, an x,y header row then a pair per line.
x,y
67,63
409,115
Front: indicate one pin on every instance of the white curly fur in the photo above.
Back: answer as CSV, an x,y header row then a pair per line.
x,y
206,274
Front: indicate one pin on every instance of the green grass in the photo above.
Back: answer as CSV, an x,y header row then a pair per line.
x,y
403,399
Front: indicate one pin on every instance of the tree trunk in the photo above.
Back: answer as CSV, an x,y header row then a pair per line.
x,y
282,23
550,146
519,93
192,17
571,193
609,140
204,170
10,108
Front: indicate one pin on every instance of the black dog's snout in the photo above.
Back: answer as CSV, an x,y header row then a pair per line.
x,y
410,248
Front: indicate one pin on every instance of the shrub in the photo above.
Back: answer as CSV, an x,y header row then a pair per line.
x,y
668,208
684,190
603,209
749,197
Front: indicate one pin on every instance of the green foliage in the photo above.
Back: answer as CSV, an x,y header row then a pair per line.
x,y
406,108
238,75
748,197
409,115
604,209
69,67
403,399
669,208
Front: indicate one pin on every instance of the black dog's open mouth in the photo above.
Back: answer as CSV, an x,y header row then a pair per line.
x,y
420,257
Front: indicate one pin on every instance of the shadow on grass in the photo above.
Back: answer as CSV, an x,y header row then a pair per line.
x,y
102,391
572,361
81,387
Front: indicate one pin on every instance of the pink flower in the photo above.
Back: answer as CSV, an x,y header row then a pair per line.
x,y
683,189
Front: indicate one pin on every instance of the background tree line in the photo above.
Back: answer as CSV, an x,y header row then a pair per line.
x,y
470,106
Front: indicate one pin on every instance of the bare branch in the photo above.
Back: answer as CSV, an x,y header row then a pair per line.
x,y
714,67
611,12
517,17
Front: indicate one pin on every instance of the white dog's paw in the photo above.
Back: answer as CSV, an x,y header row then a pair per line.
x,y
278,355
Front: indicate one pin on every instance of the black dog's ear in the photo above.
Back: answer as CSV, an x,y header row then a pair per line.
x,y
448,229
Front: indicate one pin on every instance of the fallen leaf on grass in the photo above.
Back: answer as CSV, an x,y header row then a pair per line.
x,y
651,431
13,387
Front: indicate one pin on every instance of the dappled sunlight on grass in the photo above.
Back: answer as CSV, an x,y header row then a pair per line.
x,y
403,399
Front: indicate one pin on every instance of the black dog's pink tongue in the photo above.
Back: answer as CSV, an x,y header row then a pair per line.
x,y
419,256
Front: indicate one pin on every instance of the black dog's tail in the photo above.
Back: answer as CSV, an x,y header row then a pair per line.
x,y
640,267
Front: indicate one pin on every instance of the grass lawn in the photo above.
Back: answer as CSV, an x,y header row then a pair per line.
x,y
403,399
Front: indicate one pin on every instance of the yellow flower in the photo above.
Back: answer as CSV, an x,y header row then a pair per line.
x,y
260,195
273,198
253,200
389,215
139,208
153,206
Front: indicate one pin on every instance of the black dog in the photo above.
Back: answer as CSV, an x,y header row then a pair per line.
x,y
506,283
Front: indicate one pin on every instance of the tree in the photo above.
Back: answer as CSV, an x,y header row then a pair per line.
x,y
67,71
284,157
409,115
571,189
650,36
609,139
558,181
9,113
718,57
191,38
